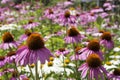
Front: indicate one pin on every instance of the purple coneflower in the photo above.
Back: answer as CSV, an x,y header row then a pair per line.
x,y
76,55
106,40
73,36
93,67
103,15
5,1
26,35
34,51
24,77
31,25
115,75
50,14
92,17
2,61
21,77
83,18
68,3
8,41
10,58
4,71
62,51
92,47
97,10
66,19
106,4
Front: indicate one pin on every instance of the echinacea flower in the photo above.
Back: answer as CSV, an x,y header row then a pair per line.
x,y
92,17
97,10
34,51
73,36
106,40
31,25
83,18
10,58
8,41
62,51
24,77
4,71
66,19
103,15
93,68
2,61
5,1
106,4
92,47
68,3
76,55
115,75
26,35
50,14
21,77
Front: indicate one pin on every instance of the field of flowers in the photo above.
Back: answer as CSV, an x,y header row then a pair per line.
x,y
59,40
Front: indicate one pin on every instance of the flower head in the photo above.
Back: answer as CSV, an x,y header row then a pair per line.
x,y
73,36
10,58
28,32
116,72
34,51
115,75
8,41
93,67
107,36
35,42
94,45
106,40
67,14
2,61
62,51
73,32
25,35
7,37
93,61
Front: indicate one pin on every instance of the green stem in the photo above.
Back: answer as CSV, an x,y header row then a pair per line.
x,y
36,73
51,31
76,65
6,73
31,72
17,70
41,72
64,67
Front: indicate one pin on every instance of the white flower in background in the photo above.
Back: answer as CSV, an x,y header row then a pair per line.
x,y
27,69
96,34
108,67
115,62
82,32
115,56
73,11
116,49
47,37
56,66
10,27
118,39
11,13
